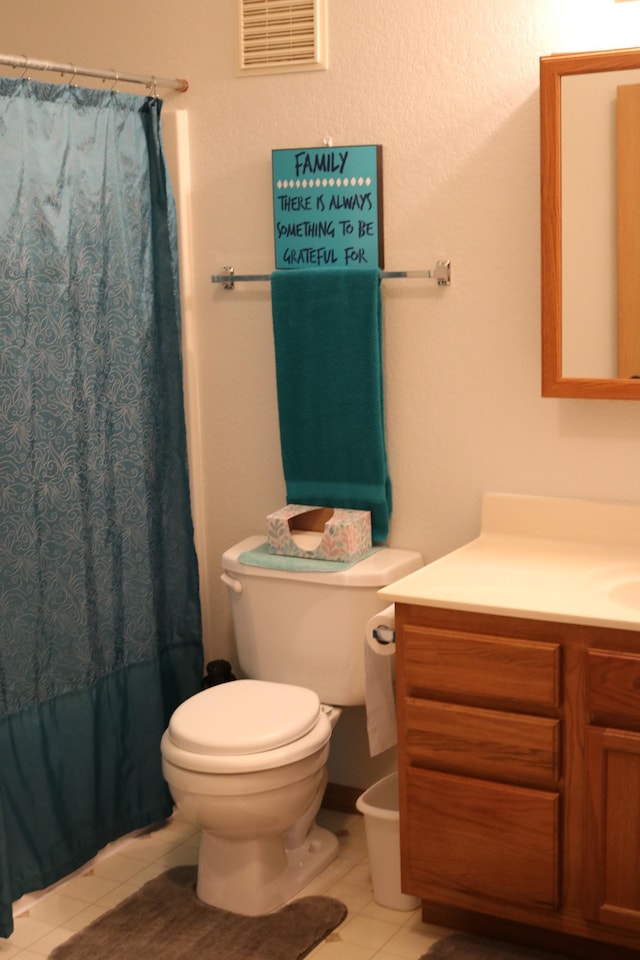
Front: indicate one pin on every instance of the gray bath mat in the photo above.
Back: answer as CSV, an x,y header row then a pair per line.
x,y
464,946
164,920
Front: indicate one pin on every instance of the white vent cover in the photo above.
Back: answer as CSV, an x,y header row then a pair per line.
x,y
277,36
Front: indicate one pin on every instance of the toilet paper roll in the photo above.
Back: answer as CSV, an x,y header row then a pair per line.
x,y
381,632
379,674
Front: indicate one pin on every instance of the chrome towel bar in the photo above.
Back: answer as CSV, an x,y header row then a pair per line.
x,y
441,274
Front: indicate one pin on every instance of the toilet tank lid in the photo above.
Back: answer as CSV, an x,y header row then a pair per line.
x,y
378,569
244,716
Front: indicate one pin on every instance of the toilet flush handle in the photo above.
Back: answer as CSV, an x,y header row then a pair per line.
x,y
234,585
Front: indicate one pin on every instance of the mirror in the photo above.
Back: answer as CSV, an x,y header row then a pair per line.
x,y
590,231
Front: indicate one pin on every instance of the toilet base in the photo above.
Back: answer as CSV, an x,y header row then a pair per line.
x,y
258,876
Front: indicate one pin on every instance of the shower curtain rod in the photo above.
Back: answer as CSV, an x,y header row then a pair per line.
x,y
27,63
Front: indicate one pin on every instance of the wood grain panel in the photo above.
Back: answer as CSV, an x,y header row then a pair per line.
x,y
514,748
474,841
613,688
465,667
477,844
612,835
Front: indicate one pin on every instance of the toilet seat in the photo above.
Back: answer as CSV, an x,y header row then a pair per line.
x,y
224,729
230,719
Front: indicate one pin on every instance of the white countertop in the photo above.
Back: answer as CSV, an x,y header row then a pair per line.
x,y
540,558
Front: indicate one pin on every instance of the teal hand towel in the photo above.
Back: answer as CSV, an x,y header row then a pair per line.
x,y
328,344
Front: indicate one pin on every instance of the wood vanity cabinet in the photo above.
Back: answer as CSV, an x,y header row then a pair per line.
x,y
519,772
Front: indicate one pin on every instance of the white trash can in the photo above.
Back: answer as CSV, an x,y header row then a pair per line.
x,y
379,804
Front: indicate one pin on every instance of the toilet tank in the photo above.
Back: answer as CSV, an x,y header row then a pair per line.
x,y
309,628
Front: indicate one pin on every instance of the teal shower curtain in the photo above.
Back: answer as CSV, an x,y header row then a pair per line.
x,y
100,635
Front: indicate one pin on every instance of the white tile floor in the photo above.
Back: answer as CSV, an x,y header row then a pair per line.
x,y
369,931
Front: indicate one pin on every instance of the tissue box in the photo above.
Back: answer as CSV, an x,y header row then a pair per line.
x,y
319,533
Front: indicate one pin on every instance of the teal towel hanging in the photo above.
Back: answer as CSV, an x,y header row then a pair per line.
x,y
328,341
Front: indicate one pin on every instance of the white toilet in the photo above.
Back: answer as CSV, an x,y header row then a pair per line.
x,y
247,760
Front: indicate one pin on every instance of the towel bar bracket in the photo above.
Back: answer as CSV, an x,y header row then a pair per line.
x,y
441,274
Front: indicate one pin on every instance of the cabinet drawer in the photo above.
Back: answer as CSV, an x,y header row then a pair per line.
x,y
490,744
468,842
453,665
613,688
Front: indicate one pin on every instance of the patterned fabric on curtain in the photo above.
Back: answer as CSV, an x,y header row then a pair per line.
x,y
100,634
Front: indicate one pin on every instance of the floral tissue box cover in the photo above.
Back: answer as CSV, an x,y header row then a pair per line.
x,y
319,533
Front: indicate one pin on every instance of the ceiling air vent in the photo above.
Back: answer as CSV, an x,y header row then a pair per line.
x,y
277,36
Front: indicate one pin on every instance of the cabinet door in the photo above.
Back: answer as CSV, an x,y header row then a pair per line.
x,y
475,844
612,835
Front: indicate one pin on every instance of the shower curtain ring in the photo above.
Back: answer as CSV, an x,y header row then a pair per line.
x,y
152,87
25,67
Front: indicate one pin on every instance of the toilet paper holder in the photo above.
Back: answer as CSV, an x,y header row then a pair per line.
x,y
384,634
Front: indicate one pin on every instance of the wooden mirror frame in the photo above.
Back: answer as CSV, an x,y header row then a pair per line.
x,y
552,69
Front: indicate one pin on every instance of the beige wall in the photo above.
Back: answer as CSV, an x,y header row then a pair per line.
x,y
450,89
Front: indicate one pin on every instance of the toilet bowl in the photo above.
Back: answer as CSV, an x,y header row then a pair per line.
x,y
247,762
